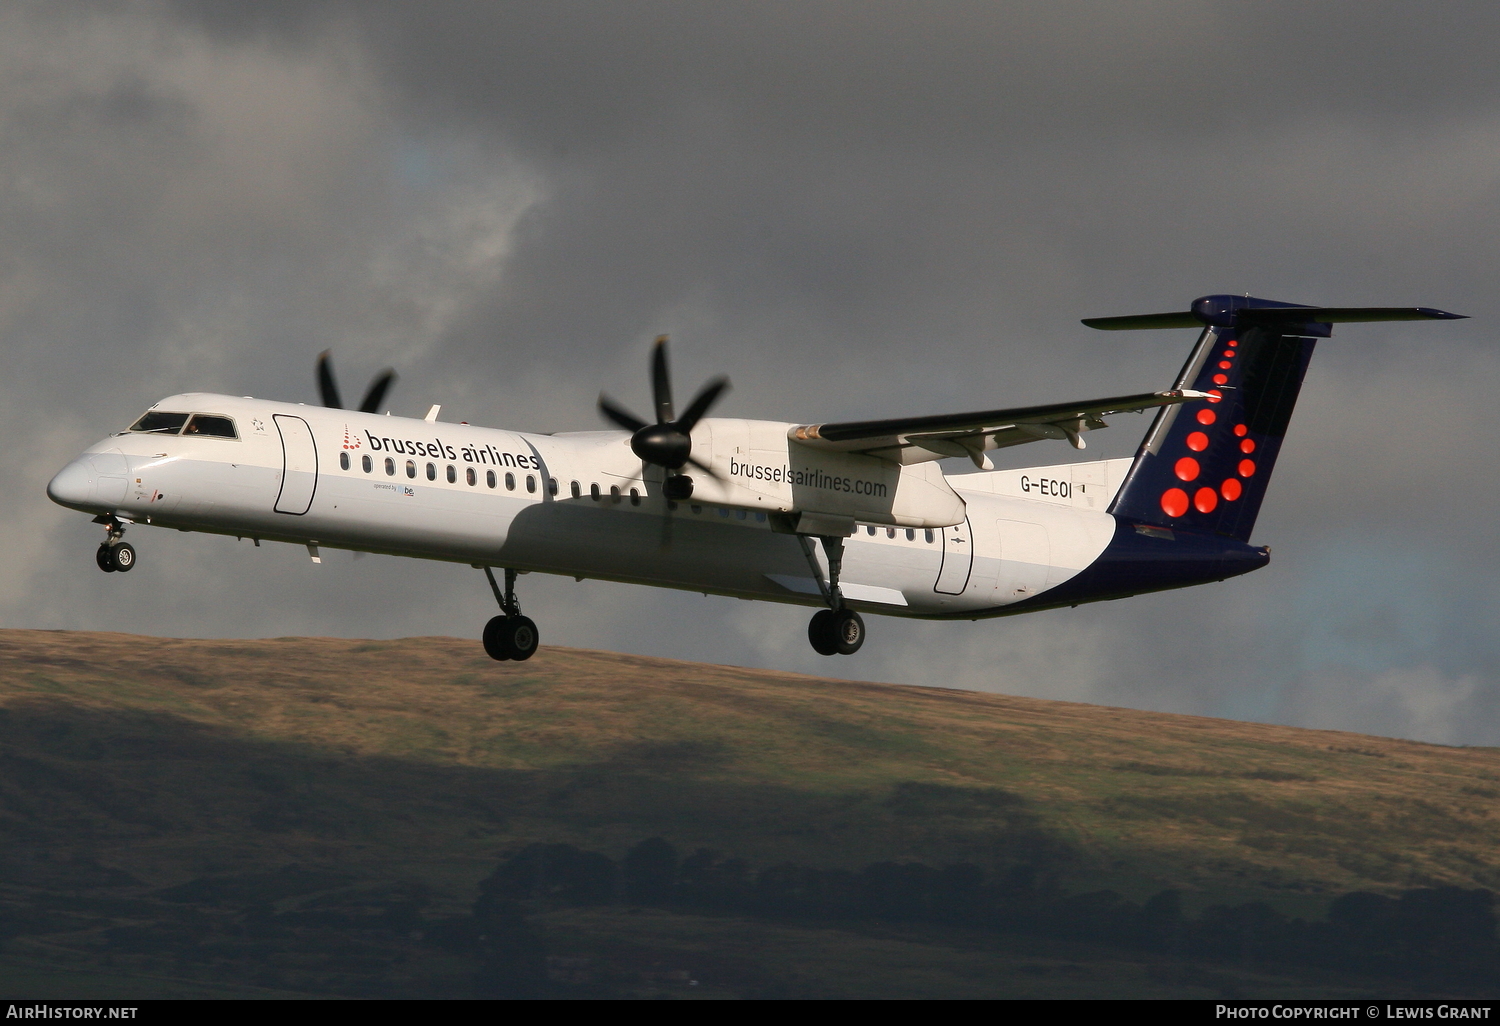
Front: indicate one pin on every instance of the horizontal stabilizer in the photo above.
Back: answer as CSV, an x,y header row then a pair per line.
x,y
1142,322
1245,311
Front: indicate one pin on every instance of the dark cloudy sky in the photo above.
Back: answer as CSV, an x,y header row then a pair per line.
x,y
853,210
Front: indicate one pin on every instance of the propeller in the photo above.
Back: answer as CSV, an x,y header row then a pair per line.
x,y
667,443
329,389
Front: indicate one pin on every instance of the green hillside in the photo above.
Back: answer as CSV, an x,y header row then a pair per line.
x,y
145,782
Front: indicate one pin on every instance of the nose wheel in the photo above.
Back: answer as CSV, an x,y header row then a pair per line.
x,y
510,635
117,558
115,555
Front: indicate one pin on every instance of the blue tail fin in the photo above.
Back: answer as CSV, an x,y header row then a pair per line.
x,y
1204,465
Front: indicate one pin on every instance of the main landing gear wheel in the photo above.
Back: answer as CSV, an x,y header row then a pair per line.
x,y
510,637
836,633
820,633
836,630
848,631
119,557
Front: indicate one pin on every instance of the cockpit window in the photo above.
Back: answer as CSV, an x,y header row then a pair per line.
x,y
208,424
157,423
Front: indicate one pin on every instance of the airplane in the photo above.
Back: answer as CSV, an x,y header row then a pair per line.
x,y
851,517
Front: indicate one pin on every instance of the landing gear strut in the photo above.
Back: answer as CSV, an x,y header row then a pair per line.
x,y
510,635
836,630
115,555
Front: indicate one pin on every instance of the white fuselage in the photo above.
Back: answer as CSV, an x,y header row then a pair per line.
x,y
579,504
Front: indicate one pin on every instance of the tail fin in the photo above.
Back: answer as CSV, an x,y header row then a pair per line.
x,y
1204,465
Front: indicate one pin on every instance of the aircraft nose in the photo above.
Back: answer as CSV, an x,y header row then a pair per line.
x,y
73,485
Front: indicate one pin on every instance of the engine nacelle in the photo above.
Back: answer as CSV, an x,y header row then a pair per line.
x,y
821,492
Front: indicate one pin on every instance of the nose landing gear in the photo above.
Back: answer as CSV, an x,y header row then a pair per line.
x,y
836,630
510,635
114,555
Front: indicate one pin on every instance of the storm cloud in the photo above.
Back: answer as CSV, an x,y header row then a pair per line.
x,y
853,210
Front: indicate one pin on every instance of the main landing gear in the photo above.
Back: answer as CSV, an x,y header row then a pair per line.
x,y
510,635
115,555
836,630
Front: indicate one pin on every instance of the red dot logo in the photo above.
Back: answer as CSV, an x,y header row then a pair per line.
x,y
1234,342
1247,446
1197,441
1247,468
1230,489
1174,502
1207,417
1224,365
1186,469
1214,395
1229,354
1220,379
1205,499
1240,430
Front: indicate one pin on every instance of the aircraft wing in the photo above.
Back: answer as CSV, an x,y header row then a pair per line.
x,y
919,439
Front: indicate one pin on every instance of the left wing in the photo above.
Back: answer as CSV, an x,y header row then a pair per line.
x,y
919,439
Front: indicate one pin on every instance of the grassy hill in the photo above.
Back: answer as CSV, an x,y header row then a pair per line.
x,y
205,793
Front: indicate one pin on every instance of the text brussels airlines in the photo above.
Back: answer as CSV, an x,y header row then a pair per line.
x,y
807,478
437,449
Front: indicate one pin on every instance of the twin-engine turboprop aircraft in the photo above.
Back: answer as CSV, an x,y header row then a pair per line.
x,y
850,517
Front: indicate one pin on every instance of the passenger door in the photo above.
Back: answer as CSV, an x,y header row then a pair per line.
x,y
299,474
958,559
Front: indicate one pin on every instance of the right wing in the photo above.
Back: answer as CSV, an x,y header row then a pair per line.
x,y
919,439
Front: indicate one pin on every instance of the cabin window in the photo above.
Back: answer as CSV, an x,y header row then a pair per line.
x,y
594,490
551,486
208,424
739,514
452,474
431,472
928,533
696,509
390,467
157,423
343,461
530,483
870,530
760,518
635,497
723,512
614,493
489,478
367,463
890,532
911,534
577,491
411,468
510,482
471,477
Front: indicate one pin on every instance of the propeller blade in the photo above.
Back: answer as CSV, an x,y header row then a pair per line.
x,y
327,388
376,391
661,382
621,416
705,399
